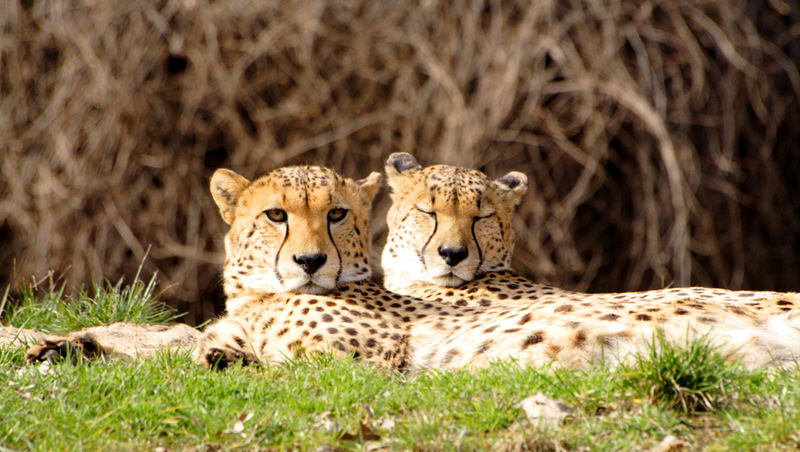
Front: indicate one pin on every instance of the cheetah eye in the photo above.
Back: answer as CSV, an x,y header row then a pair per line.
x,y
276,215
337,214
429,212
482,217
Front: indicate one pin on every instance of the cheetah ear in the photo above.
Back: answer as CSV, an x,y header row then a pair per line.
x,y
400,164
369,186
511,187
226,186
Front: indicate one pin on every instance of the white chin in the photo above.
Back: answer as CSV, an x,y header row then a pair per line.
x,y
311,285
312,288
447,280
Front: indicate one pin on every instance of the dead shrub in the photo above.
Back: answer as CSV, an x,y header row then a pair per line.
x,y
658,134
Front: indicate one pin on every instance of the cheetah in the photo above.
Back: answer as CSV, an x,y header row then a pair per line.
x,y
295,275
296,269
298,229
449,226
450,240
270,319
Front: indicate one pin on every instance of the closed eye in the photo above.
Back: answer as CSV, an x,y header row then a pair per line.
x,y
482,217
337,214
429,212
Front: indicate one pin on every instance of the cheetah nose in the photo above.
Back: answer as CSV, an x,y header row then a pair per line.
x,y
310,262
453,255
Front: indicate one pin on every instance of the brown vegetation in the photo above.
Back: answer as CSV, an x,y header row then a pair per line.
x,y
658,134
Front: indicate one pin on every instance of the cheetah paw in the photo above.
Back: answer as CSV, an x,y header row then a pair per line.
x,y
56,349
219,359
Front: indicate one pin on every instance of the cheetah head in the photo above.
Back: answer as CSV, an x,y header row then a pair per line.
x,y
447,224
297,229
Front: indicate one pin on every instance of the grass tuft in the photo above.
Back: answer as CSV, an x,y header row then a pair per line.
x,y
49,310
692,377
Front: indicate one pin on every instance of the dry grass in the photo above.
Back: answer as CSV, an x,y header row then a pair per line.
x,y
658,135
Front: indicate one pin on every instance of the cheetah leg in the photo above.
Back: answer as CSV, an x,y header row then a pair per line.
x,y
74,346
224,343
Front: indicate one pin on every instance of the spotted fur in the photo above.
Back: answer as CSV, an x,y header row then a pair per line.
x,y
297,244
760,327
448,224
283,237
269,327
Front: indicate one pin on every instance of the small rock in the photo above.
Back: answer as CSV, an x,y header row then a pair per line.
x,y
322,420
238,426
544,410
669,444
387,424
44,368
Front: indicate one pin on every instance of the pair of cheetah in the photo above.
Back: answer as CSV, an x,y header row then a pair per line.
x,y
296,280
297,266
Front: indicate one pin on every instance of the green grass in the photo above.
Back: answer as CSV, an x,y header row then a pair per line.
x,y
343,404
48,309
691,376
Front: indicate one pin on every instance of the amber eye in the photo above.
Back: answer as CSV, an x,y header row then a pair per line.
x,y
276,215
337,214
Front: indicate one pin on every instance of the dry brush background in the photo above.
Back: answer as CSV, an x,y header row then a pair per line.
x,y
659,136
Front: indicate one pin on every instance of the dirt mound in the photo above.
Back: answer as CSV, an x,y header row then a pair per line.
x,y
127,339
